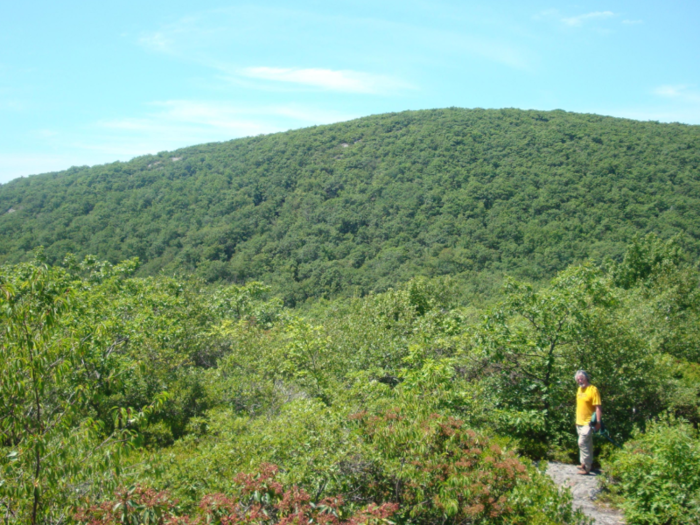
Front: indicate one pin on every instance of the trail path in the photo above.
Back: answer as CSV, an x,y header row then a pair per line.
x,y
585,490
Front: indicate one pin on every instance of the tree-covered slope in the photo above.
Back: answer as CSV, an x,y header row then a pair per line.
x,y
365,204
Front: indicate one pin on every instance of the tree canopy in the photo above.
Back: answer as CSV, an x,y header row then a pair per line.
x,y
171,378
364,205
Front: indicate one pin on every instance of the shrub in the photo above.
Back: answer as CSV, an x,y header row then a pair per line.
x,y
657,474
440,471
261,500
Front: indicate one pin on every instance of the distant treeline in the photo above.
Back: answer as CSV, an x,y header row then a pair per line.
x,y
364,205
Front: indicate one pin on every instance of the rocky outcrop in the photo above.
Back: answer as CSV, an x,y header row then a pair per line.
x,y
585,490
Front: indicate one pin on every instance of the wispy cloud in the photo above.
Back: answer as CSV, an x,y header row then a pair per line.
x,y
547,13
169,38
686,115
190,120
208,38
594,19
670,91
681,92
673,103
12,105
506,54
16,165
178,123
579,20
328,79
45,133
223,117
158,41
170,124
195,39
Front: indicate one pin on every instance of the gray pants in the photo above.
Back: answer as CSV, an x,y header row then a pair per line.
x,y
585,445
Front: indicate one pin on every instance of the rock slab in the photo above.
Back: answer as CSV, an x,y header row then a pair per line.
x,y
585,490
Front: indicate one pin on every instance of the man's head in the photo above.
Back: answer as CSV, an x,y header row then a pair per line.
x,y
582,378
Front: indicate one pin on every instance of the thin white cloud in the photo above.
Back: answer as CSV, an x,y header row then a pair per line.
x,y
680,92
205,116
688,115
555,15
17,165
169,38
226,117
670,91
11,105
494,51
170,125
178,123
45,133
581,19
547,13
327,79
159,42
308,115
674,103
207,38
200,39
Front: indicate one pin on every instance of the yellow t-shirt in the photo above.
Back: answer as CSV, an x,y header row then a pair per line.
x,y
586,400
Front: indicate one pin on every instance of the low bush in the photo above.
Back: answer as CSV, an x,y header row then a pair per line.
x,y
440,471
657,475
261,500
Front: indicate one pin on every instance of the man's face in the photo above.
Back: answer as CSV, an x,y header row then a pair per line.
x,y
581,380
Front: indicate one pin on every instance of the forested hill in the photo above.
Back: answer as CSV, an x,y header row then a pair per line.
x,y
365,204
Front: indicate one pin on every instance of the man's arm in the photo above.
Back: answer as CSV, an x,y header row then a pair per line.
x,y
598,417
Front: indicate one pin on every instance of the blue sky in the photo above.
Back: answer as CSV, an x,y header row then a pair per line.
x,y
84,83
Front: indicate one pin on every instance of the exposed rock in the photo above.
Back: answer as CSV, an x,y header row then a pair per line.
x,y
585,490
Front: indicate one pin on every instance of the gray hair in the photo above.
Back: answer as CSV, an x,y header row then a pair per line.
x,y
582,373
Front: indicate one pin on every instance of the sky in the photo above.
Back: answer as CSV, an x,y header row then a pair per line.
x,y
85,82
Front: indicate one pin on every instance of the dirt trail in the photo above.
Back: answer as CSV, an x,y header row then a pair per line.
x,y
585,490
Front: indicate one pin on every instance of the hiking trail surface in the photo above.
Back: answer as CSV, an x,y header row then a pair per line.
x,y
585,490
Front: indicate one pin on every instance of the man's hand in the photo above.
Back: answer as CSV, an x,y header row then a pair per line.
x,y
597,427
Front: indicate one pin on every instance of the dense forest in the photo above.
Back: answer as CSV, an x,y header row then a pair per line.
x,y
455,269
365,205
160,400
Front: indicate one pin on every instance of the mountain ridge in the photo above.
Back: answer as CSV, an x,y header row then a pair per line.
x,y
363,205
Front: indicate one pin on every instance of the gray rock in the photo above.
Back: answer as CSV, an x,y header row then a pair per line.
x,y
585,490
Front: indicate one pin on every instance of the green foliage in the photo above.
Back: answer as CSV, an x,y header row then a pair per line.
x,y
535,340
682,395
433,466
664,299
50,443
306,438
644,259
260,500
368,204
658,475
440,470
394,397
95,362
375,334
246,303
38,404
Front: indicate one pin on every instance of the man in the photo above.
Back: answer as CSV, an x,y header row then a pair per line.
x,y
587,402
